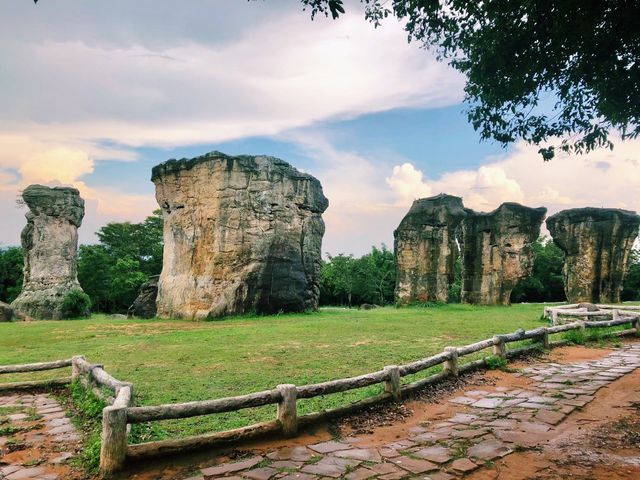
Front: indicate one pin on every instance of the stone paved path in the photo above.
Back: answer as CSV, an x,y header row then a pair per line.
x,y
36,438
492,425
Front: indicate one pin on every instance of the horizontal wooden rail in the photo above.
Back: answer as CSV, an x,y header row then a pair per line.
x,y
420,365
52,383
205,407
342,385
35,367
172,446
609,323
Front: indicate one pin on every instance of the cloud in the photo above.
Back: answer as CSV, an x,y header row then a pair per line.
x,y
602,178
361,209
281,74
25,161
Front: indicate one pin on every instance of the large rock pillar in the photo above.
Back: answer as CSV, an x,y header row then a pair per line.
x,y
426,249
50,243
596,243
241,234
497,251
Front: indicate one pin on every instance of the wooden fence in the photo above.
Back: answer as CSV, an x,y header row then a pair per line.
x,y
557,315
120,413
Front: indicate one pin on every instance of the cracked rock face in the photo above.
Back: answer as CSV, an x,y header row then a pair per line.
x,y
144,306
426,249
497,251
241,234
596,243
50,243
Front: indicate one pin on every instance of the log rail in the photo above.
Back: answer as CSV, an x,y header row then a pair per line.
x,y
121,412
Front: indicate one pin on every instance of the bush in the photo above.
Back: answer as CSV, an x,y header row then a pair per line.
x,y
76,304
495,362
575,337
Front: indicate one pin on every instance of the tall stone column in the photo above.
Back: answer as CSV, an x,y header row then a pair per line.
x,y
426,249
50,244
497,251
241,234
596,243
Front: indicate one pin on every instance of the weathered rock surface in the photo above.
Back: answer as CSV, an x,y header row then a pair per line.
x,y
50,243
241,234
596,243
144,306
497,251
6,312
426,249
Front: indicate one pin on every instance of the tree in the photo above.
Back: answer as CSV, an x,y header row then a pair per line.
x,y
337,279
631,290
112,272
536,71
546,283
377,276
11,264
346,280
139,241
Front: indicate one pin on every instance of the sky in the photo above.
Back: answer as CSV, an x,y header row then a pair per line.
x,y
94,94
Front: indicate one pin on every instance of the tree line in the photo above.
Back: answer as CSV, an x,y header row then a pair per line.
x,y
127,254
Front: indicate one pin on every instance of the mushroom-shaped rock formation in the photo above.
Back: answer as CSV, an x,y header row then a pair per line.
x,y
596,243
426,249
497,251
50,243
241,234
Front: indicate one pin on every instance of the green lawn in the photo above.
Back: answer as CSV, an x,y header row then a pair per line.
x,y
175,361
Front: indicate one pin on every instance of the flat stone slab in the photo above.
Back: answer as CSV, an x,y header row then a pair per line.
x,y
360,474
463,465
324,470
364,454
264,473
299,476
436,454
489,450
225,468
550,417
24,473
488,403
414,465
329,447
297,454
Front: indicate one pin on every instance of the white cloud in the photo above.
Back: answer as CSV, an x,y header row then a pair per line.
x,y
601,178
281,74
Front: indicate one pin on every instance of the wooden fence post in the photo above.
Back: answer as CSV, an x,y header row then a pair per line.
x,y
451,365
581,326
615,314
114,439
636,324
287,410
499,346
545,339
75,369
392,384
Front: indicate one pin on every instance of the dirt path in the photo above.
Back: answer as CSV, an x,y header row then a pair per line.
x,y
572,414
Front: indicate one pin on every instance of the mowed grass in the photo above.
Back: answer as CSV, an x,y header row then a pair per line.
x,y
177,361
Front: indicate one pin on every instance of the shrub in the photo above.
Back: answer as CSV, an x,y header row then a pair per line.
x,y
76,304
575,337
495,362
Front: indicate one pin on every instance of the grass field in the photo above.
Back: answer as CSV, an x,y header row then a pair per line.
x,y
174,360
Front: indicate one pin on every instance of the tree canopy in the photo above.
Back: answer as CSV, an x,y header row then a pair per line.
x,y
112,271
559,71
